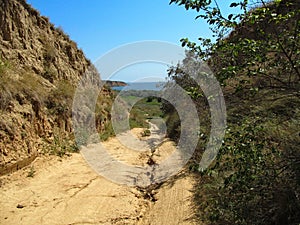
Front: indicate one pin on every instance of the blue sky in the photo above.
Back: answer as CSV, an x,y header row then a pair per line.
x,y
99,26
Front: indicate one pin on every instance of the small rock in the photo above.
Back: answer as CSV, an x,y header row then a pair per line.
x,y
19,206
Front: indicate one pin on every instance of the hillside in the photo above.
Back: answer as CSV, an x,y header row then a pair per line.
x,y
255,177
40,67
112,83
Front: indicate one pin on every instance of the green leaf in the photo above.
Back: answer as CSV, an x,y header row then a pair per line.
x,y
234,4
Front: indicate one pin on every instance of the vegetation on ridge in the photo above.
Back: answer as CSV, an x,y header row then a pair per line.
x,y
255,178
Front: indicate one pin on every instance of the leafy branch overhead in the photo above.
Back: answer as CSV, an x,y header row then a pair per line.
x,y
261,40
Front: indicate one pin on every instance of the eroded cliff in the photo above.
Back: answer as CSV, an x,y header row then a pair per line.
x,y
40,67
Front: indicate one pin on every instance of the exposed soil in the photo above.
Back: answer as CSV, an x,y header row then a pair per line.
x,y
68,191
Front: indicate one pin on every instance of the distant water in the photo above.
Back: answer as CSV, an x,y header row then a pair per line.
x,y
153,86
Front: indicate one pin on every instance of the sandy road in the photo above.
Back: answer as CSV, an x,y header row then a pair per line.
x,y
68,191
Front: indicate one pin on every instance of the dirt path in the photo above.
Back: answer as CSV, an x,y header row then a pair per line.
x,y
68,191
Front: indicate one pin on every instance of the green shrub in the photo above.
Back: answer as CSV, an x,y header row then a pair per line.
x,y
146,133
107,133
62,144
144,110
49,54
31,172
253,181
49,74
59,101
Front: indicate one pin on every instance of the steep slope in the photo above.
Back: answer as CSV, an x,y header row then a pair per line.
x,y
255,176
35,43
39,70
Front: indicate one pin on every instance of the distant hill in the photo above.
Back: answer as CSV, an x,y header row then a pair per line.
x,y
111,83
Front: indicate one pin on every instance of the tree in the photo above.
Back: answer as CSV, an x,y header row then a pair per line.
x,y
255,56
260,42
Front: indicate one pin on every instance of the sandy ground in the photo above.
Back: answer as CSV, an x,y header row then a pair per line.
x,y
69,191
